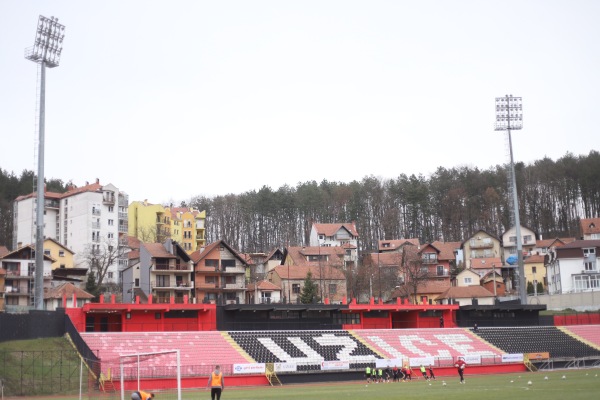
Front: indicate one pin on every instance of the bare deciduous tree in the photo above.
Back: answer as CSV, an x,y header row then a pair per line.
x,y
100,256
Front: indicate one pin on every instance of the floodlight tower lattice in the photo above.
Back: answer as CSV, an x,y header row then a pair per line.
x,y
46,52
509,116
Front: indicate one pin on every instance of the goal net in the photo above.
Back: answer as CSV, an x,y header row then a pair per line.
x,y
157,372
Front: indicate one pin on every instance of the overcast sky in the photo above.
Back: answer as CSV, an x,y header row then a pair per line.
x,y
171,99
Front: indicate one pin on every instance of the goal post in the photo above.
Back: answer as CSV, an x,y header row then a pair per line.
x,y
139,360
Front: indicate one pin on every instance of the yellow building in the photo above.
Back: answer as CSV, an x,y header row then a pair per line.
x,y
149,223
152,223
535,270
187,227
63,256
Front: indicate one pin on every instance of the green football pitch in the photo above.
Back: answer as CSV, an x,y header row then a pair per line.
x,y
577,384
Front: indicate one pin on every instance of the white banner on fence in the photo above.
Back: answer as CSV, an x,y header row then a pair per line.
x,y
512,358
379,363
472,359
285,367
418,361
258,368
328,365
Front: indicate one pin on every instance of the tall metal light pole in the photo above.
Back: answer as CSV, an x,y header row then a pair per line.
x,y
509,116
45,52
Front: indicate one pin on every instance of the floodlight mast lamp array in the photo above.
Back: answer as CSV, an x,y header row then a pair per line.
x,y
46,52
509,116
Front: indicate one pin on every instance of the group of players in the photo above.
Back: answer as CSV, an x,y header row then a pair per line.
x,y
395,374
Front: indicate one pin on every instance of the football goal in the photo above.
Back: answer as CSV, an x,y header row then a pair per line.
x,y
151,372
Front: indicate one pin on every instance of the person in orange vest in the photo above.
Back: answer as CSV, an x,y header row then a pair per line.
x,y
141,395
216,382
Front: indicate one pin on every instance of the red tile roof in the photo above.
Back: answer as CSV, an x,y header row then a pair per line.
x,y
67,289
299,272
466,292
204,251
485,263
589,226
133,242
446,249
331,229
157,250
386,258
263,285
94,187
534,259
3,251
580,244
396,243
299,255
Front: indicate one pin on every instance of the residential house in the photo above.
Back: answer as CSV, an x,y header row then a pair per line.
x,y
467,296
545,246
20,277
395,245
427,291
494,282
263,292
590,228
535,270
450,252
74,296
483,266
480,245
574,267
63,255
261,263
165,272
83,219
509,242
333,256
330,281
467,277
337,235
220,274
383,273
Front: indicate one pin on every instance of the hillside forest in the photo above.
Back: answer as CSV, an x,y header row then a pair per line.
x,y
449,205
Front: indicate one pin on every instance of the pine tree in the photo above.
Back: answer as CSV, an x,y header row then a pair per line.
x,y
309,291
91,286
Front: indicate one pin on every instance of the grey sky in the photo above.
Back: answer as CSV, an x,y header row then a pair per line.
x,y
172,99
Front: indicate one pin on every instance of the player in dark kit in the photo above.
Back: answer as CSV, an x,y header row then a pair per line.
x,y
460,366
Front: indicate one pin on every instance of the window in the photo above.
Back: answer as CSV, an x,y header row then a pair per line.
x,y
228,263
468,280
230,280
296,288
46,252
526,239
162,280
211,264
321,237
111,222
61,253
63,266
589,252
231,296
137,282
210,279
111,209
332,288
533,269
589,266
110,235
512,239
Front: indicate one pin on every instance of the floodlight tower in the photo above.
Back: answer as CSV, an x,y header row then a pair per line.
x,y
45,52
509,116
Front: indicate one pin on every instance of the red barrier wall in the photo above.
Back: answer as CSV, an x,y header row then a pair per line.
x,y
577,319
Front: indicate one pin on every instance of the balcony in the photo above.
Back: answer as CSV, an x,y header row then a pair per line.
x,y
123,228
233,286
481,245
51,204
96,212
96,225
174,268
123,215
429,260
172,285
108,198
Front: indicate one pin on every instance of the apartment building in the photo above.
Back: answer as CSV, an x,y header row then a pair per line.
x,y
155,223
83,219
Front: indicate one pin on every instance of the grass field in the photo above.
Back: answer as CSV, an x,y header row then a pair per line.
x,y
578,384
